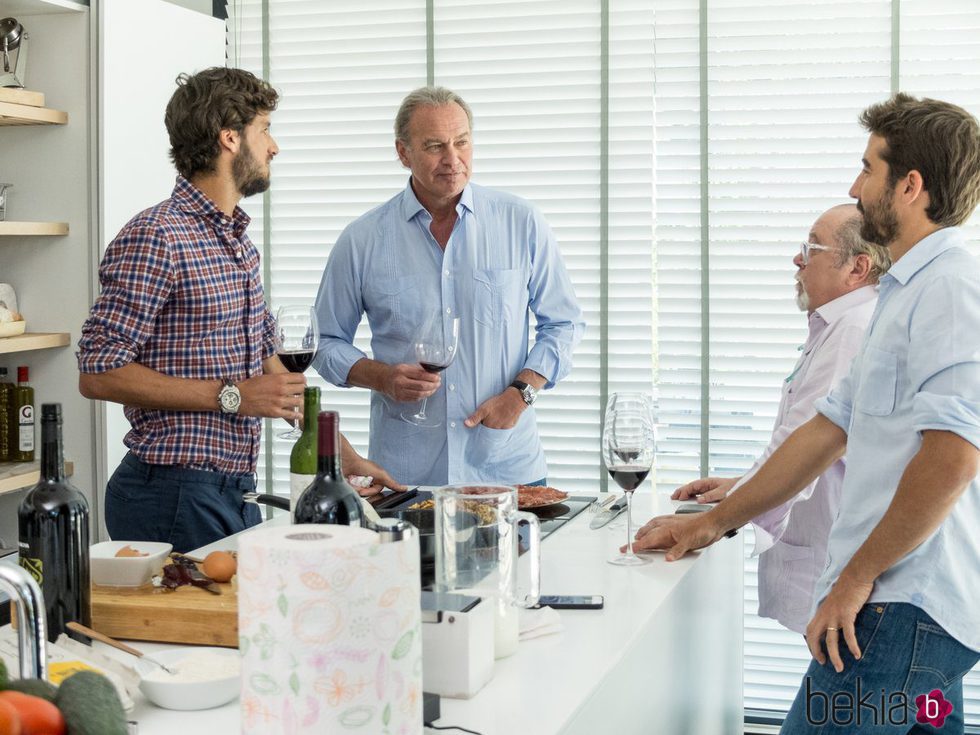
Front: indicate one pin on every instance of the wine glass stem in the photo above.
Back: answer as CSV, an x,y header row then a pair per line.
x,y
421,413
629,523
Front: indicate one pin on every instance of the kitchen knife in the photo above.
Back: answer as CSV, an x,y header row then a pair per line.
x,y
604,516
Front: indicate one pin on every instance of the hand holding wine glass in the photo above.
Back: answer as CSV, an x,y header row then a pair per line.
x,y
297,337
628,444
435,350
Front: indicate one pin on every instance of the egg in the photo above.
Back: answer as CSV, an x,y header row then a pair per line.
x,y
220,566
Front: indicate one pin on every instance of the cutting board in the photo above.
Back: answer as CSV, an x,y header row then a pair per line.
x,y
184,615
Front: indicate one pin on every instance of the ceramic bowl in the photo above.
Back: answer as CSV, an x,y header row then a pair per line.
x,y
12,329
183,693
126,571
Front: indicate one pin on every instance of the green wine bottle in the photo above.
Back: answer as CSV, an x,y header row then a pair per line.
x,y
303,459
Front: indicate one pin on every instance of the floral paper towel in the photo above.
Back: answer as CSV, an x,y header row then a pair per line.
x,y
330,632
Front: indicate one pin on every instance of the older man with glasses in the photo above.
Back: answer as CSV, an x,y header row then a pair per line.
x,y
836,273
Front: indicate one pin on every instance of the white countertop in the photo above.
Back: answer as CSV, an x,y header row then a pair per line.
x,y
576,662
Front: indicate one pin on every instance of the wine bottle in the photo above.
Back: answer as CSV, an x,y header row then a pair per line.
x,y
329,499
6,400
302,460
54,533
22,421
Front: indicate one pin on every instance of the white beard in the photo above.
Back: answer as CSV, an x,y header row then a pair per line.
x,y
802,297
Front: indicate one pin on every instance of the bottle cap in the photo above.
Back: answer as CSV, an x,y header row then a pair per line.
x,y
50,412
328,422
22,374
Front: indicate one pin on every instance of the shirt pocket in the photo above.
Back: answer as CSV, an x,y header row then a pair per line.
x,y
396,305
496,294
876,396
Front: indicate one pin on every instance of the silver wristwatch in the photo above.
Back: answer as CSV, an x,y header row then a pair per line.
x,y
229,397
527,391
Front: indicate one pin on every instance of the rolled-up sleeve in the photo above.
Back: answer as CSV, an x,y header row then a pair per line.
x,y
559,322
339,306
837,406
137,278
944,359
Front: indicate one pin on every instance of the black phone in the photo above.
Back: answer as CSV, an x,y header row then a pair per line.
x,y
571,602
693,508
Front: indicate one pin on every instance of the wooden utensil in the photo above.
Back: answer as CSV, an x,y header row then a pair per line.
x,y
94,634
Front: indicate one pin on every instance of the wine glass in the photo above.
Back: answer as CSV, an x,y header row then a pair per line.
x,y
435,350
628,443
297,337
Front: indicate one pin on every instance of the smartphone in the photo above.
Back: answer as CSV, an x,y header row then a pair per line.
x,y
693,508
571,602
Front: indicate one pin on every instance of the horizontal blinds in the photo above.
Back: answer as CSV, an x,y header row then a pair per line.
x,y
940,58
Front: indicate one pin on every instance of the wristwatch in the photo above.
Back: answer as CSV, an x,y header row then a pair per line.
x,y
527,391
229,397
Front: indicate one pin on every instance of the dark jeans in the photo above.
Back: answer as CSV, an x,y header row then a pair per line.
x,y
183,507
905,655
538,483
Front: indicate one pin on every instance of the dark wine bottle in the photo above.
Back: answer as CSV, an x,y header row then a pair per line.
x,y
303,458
54,533
329,499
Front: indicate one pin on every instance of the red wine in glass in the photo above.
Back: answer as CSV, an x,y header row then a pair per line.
x,y
296,361
430,367
628,478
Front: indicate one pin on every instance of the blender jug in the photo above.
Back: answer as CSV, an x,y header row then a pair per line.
x,y
477,550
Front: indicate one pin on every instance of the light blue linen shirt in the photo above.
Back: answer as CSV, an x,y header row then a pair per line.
x,y
501,262
919,370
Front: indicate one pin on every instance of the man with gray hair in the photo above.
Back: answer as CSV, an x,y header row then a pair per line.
x,y
836,273
440,250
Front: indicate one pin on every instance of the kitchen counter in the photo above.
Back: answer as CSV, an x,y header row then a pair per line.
x,y
664,655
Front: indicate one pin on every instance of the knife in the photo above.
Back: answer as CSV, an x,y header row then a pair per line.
x,y
604,516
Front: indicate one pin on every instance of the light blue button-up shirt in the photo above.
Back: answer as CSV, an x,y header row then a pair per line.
x,y
919,370
501,263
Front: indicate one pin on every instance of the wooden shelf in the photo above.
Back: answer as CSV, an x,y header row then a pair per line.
x,y
14,114
18,475
33,228
34,341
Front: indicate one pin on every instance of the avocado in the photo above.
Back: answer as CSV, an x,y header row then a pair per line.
x,y
90,705
34,687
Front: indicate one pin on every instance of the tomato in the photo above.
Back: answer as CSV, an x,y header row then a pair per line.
x,y
9,720
37,716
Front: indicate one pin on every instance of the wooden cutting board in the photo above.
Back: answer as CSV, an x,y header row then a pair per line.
x,y
184,615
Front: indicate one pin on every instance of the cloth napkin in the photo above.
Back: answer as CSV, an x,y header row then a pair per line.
x,y
539,622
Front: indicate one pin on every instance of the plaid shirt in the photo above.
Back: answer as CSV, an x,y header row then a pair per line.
x,y
181,295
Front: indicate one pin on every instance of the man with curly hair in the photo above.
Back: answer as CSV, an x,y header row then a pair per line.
x,y
181,334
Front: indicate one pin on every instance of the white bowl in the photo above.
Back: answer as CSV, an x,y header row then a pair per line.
x,y
126,571
12,329
188,695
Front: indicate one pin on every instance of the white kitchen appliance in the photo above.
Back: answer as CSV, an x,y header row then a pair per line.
x,y
13,46
457,644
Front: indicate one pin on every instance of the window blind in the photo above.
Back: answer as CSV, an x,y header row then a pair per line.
x,y
777,143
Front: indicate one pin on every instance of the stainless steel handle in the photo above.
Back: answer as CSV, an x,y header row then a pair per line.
x,y
32,625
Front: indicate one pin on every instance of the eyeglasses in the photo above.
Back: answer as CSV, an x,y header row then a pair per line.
x,y
806,247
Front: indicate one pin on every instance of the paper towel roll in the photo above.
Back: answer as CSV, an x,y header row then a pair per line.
x,y
330,631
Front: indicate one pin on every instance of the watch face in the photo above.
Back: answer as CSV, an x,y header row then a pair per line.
x,y
529,395
230,399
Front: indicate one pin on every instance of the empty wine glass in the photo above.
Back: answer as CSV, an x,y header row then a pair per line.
x,y
297,337
628,442
435,350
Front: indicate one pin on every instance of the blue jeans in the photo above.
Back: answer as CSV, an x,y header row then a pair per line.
x,y
904,654
183,507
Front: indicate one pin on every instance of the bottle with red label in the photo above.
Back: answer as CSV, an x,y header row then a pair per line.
x,y
22,419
